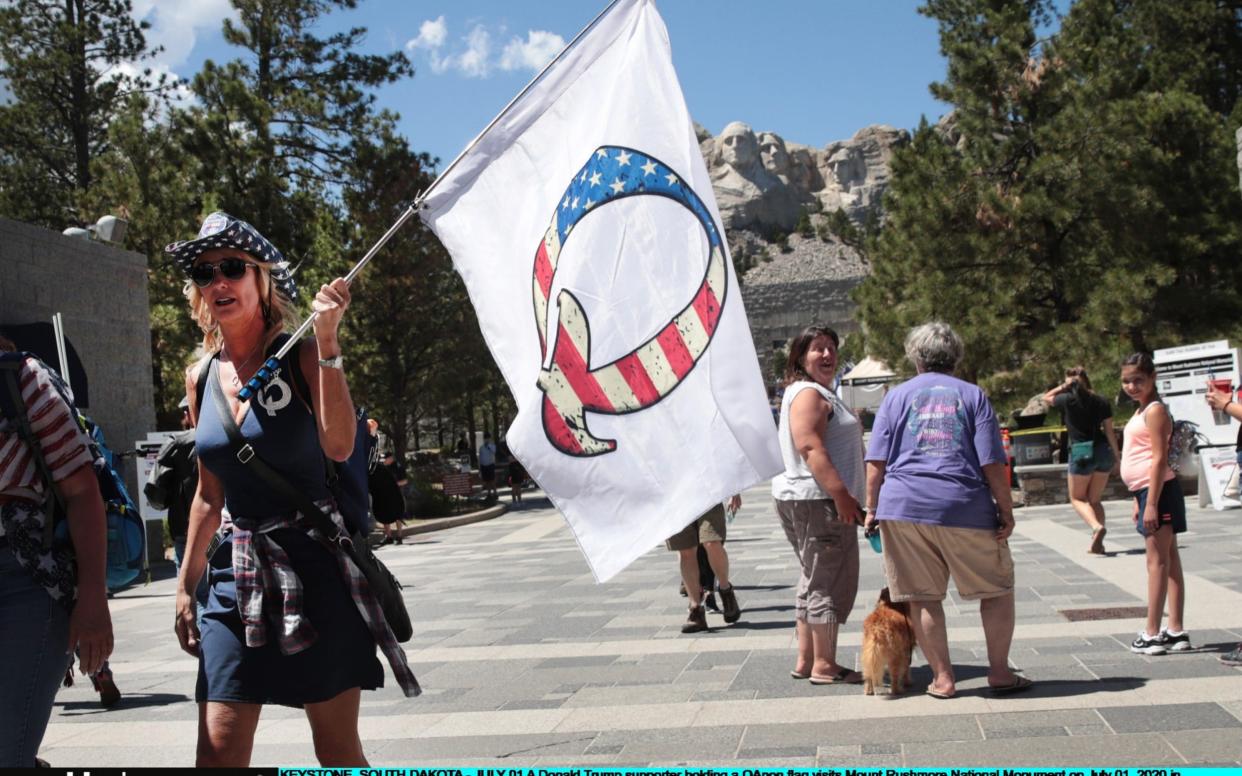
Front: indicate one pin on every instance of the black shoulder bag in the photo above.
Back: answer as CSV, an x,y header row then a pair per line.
x,y
384,586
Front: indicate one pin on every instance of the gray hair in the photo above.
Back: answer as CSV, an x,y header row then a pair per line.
x,y
934,347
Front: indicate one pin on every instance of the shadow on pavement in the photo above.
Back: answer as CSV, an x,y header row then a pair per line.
x,y
130,700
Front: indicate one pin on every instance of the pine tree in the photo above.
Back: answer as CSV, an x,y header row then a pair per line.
x,y
62,62
274,128
1086,210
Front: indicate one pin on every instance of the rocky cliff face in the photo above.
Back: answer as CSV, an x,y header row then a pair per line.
x,y
764,184
765,187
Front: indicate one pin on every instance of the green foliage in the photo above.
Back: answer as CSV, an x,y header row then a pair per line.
x,y
782,243
804,226
274,128
1091,207
841,226
59,60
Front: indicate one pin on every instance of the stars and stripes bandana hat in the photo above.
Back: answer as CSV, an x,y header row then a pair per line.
x,y
221,230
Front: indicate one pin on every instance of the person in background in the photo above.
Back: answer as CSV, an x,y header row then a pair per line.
x,y
173,481
487,466
53,601
937,486
1093,450
1159,508
517,479
706,531
1223,401
817,501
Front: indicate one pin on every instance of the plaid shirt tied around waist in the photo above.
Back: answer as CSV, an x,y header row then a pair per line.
x,y
270,592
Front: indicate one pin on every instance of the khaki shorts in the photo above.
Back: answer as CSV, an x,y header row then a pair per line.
x,y
919,558
708,528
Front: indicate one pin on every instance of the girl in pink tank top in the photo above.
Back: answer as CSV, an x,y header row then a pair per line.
x,y
1159,508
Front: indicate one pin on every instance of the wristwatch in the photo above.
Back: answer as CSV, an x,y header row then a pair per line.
x,y
336,362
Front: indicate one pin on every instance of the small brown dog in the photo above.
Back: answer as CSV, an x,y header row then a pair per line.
x,y
888,642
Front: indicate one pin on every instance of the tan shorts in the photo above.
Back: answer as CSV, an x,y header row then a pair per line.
x,y
827,551
919,558
708,528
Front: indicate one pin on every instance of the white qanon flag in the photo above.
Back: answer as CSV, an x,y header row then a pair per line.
x,y
584,226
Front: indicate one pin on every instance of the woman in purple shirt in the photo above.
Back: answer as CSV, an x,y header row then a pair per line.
x,y
936,484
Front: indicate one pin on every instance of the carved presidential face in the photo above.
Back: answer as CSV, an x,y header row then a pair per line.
x,y
738,146
772,151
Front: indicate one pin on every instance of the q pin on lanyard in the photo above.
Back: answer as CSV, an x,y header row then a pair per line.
x,y
271,367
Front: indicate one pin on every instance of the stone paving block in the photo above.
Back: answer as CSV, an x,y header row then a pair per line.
x,y
417,750
948,727
1115,751
673,744
576,662
1037,719
1207,746
624,695
1031,732
777,752
1162,667
851,755
1180,716
714,659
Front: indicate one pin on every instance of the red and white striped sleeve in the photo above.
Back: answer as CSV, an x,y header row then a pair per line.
x,y
66,448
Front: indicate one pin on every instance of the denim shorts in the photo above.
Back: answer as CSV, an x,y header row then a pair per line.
x,y
1101,461
1170,510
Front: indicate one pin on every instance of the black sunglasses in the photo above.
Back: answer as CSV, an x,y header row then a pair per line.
x,y
233,269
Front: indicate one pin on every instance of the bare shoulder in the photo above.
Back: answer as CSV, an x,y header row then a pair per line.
x,y
809,400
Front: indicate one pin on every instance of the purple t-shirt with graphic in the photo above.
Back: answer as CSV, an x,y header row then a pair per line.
x,y
934,433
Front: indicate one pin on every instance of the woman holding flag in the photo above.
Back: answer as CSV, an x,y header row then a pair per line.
x,y
289,619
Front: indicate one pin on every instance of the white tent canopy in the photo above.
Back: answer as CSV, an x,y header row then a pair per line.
x,y
864,386
868,372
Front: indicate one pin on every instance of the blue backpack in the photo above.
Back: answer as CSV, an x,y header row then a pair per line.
x,y
127,538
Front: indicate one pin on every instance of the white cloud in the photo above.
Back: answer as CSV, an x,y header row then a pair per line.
x,y
472,55
176,24
473,62
431,35
536,51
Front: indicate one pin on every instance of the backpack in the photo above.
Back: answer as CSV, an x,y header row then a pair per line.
x,y
1183,444
347,480
126,533
173,480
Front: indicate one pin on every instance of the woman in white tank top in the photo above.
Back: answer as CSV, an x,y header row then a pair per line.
x,y
817,501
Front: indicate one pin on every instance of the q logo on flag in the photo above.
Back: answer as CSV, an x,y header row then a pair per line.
x,y
647,374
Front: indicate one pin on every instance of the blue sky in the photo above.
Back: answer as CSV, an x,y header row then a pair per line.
x,y
812,71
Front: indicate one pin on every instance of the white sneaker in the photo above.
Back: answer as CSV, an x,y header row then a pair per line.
x,y
1178,643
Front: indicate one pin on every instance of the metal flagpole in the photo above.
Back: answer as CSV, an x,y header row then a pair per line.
x,y
58,332
272,365
418,202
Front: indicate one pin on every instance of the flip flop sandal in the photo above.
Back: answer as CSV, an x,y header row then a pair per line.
x,y
1019,684
797,675
844,676
940,695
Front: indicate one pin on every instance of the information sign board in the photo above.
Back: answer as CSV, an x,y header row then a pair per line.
x,y
1182,374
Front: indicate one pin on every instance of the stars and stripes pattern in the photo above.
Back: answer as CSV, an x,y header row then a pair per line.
x,y
221,230
651,371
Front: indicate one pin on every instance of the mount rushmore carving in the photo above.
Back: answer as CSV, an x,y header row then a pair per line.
x,y
763,183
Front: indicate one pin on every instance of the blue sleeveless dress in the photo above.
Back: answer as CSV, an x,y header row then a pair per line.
x,y
282,431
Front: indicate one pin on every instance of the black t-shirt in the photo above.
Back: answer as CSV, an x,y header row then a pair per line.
x,y
1083,416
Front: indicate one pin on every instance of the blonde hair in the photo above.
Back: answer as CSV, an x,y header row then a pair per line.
x,y
281,314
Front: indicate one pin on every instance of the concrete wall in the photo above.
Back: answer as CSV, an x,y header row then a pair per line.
x,y
101,292
778,311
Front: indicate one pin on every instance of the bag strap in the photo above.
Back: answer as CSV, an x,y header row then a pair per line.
x,y
246,455
11,369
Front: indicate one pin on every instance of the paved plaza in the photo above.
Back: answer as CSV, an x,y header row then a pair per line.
x,y
526,661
